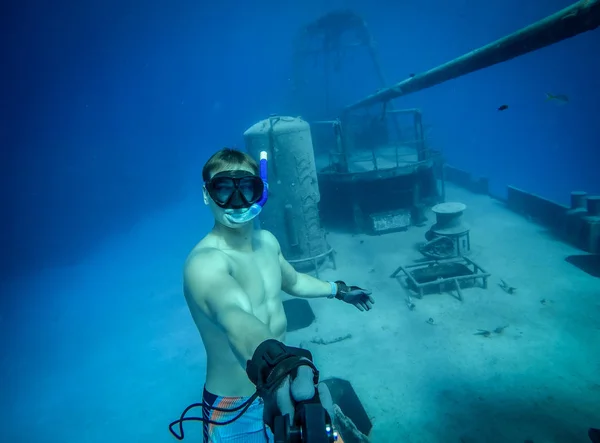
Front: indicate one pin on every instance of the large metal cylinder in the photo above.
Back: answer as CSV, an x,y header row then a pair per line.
x,y
292,212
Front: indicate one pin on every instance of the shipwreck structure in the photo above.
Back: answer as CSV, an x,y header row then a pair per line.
x,y
292,214
324,45
373,169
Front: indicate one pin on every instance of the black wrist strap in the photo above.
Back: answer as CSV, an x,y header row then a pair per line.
x,y
342,288
272,361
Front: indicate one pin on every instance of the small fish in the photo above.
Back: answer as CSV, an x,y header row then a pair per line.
x,y
503,108
411,75
500,329
560,98
483,332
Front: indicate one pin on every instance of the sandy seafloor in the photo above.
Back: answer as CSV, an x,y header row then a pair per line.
x,y
115,356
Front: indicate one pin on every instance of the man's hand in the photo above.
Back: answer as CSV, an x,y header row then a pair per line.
x,y
285,376
359,297
291,391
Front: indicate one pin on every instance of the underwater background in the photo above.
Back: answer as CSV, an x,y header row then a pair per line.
x,y
109,110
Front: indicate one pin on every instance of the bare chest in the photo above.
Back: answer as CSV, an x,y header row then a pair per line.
x,y
259,274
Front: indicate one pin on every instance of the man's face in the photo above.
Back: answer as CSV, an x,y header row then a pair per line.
x,y
232,191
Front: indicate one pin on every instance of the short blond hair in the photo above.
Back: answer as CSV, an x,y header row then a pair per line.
x,y
227,159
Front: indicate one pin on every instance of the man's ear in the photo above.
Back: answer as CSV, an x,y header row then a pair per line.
x,y
205,195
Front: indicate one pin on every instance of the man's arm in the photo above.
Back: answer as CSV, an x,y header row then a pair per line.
x,y
302,285
270,365
305,286
296,283
209,285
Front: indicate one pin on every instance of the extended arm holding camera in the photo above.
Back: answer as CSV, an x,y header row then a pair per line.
x,y
220,297
284,376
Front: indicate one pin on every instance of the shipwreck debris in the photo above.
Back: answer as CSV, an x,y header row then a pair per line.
x,y
443,275
322,341
506,287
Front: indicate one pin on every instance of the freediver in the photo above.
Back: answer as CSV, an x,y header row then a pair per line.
x,y
232,283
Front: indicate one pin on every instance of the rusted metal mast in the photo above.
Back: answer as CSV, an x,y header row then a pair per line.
x,y
580,17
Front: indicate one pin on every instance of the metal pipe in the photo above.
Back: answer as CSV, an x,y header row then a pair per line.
x,y
578,18
404,111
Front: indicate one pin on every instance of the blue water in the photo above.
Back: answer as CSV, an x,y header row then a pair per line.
x,y
109,110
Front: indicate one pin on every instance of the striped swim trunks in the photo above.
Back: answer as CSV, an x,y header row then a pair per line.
x,y
249,428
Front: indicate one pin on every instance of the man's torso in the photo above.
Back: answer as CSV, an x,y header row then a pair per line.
x,y
259,274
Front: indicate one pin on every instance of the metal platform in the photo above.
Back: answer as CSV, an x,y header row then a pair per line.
x,y
443,274
384,162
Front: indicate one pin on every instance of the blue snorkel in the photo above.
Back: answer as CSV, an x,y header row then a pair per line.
x,y
254,210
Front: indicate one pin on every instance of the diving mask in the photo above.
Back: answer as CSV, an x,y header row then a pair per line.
x,y
241,193
235,189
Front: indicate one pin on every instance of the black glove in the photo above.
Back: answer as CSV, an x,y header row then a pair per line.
x,y
361,298
285,376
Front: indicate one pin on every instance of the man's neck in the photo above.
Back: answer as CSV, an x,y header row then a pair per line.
x,y
239,239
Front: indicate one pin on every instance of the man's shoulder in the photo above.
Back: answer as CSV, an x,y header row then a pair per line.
x,y
205,258
268,238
